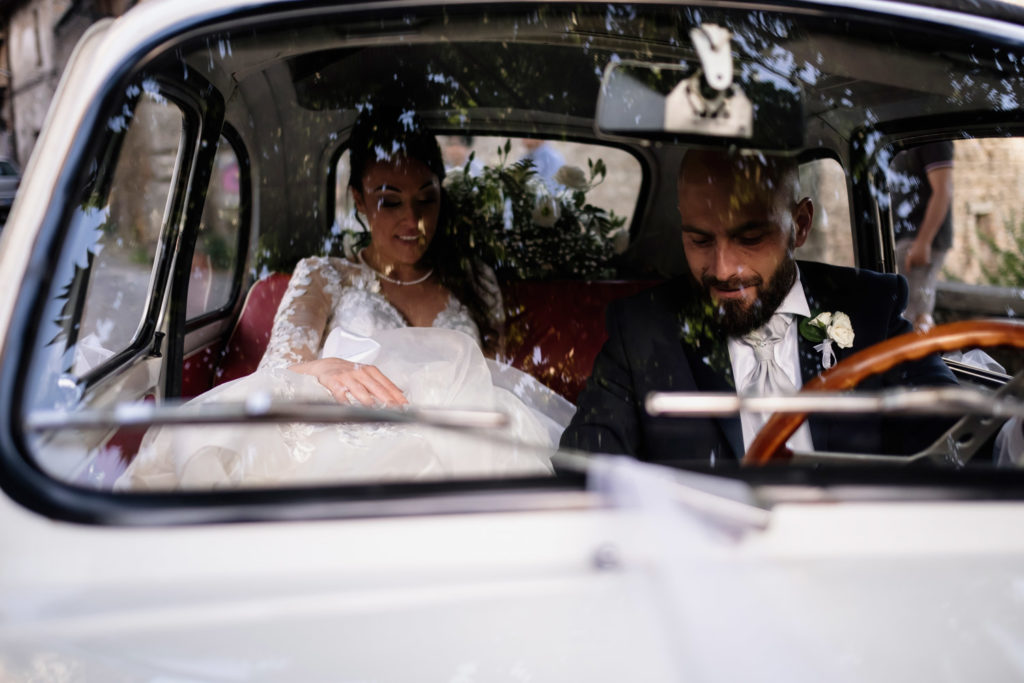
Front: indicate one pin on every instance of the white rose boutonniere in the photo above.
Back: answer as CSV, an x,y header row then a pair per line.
x,y
827,328
822,320
841,330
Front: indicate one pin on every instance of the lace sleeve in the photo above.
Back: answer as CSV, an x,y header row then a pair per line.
x,y
302,317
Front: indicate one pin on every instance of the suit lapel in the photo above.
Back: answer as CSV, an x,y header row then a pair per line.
x,y
708,378
810,359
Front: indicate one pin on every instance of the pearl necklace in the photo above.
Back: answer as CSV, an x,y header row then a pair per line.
x,y
394,281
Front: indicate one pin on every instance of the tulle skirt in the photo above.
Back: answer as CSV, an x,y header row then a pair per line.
x,y
435,368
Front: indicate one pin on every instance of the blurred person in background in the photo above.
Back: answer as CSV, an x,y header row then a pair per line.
x,y
922,197
546,160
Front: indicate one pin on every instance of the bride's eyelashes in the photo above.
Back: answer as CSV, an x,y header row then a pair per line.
x,y
390,202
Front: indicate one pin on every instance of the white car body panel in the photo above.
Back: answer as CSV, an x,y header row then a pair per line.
x,y
854,591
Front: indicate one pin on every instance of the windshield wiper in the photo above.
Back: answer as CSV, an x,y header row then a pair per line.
x,y
921,401
956,447
258,411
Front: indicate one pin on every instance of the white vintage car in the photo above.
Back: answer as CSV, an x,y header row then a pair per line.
x,y
195,152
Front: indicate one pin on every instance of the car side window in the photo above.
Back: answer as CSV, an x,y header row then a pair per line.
x,y
976,254
216,255
987,214
129,223
831,236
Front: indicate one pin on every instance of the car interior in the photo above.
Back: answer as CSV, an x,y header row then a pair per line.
x,y
221,160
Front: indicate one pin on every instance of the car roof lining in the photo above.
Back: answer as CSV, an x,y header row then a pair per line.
x,y
322,61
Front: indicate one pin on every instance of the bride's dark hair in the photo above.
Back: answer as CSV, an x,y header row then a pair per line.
x,y
383,133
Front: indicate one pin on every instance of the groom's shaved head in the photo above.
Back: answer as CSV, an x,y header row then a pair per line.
x,y
741,218
746,177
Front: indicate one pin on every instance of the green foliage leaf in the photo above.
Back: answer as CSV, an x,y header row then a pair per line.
x,y
1007,269
498,211
811,333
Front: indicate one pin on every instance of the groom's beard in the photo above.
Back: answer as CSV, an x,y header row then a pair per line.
x,y
730,317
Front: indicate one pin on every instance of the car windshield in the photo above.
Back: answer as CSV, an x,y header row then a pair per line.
x,y
413,244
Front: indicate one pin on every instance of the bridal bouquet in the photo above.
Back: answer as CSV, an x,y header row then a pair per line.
x,y
525,229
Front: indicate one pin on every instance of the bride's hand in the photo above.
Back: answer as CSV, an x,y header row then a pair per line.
x,y
344,379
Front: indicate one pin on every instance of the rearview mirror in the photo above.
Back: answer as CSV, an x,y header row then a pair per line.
x,y
754,108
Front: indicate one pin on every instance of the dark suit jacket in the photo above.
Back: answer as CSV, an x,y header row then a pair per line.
x,y
650,347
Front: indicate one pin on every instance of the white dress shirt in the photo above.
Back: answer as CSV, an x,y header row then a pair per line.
x,y
787,355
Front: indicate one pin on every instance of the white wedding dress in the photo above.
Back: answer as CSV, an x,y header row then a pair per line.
x,y
439,366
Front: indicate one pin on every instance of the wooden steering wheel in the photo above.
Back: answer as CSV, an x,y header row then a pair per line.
x,y
770,444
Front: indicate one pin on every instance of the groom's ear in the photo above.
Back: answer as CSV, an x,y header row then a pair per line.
x,y
803,217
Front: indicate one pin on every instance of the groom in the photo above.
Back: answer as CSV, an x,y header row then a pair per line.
x,y
739,321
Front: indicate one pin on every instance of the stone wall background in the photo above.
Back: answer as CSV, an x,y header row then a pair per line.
x,y
988,198
831,236
41,35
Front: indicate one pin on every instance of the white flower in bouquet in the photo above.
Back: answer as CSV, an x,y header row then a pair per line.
x,y
507,217
546,211
451,178
572,177
535,186
506,211
620,240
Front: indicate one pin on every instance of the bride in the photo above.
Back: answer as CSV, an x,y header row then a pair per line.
x,y
403,323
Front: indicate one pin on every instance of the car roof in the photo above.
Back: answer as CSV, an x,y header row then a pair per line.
x,y
1012,11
